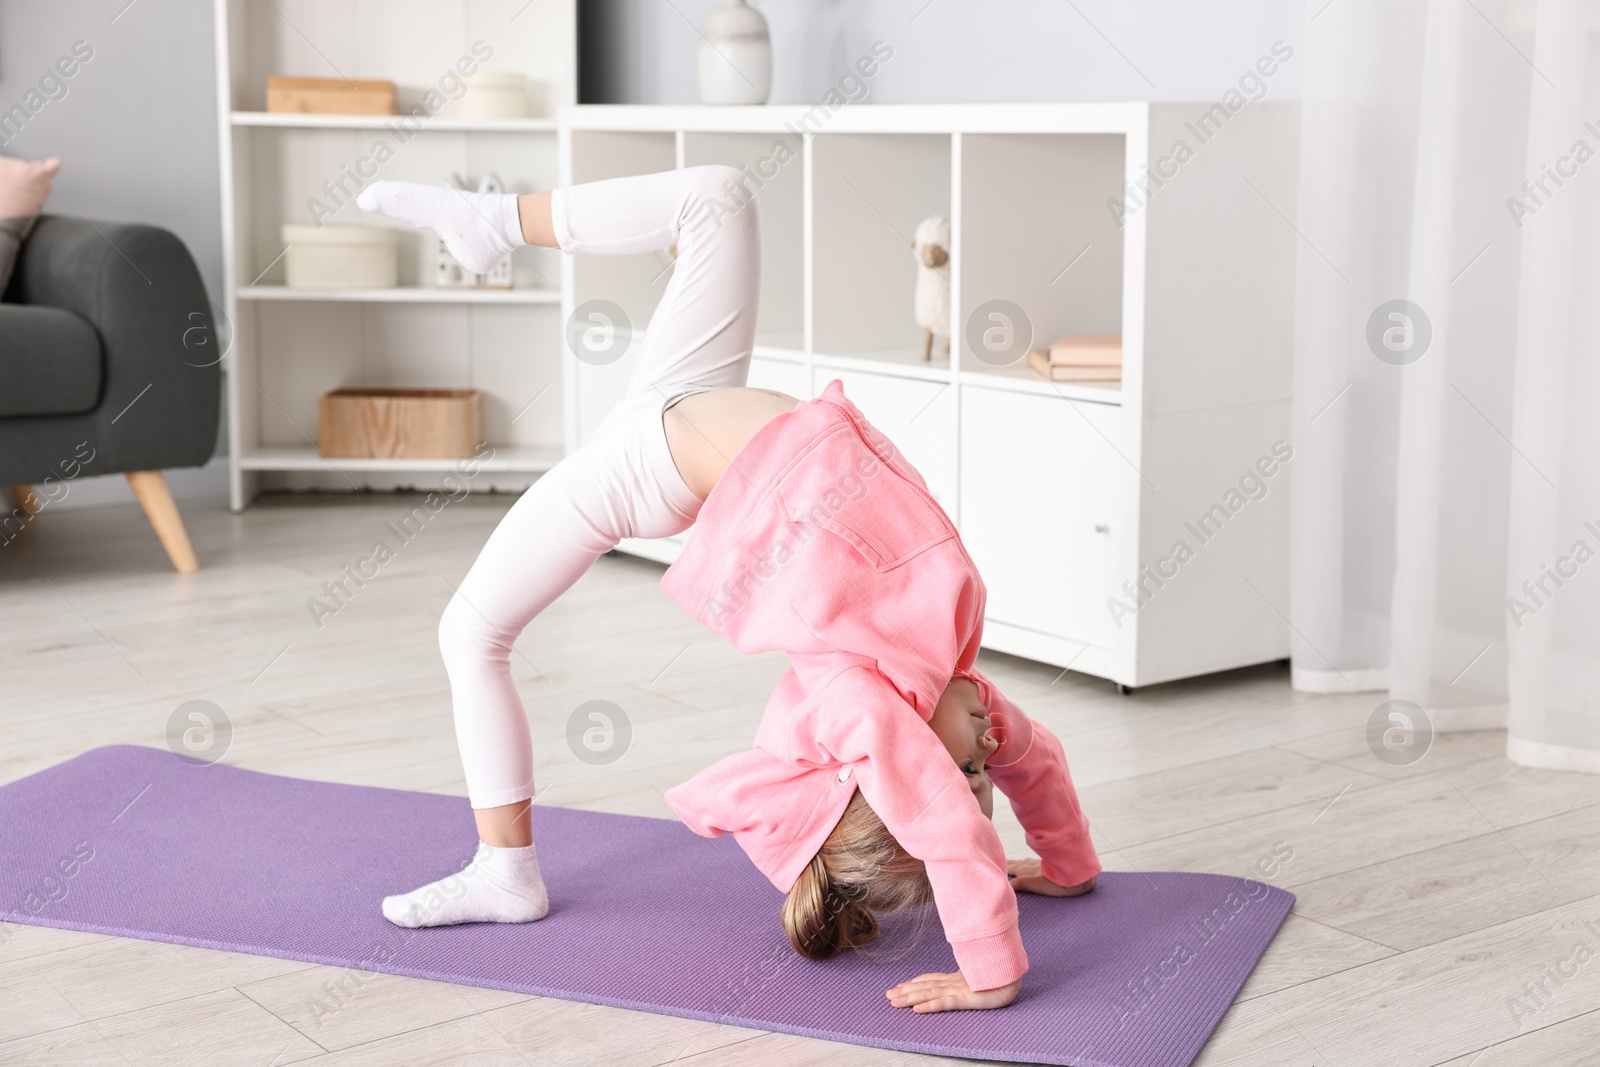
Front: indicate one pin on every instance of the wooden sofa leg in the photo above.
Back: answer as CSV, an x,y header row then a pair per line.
x,y
156,499
24,498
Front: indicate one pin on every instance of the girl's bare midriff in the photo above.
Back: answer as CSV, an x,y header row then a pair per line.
x,y
706,430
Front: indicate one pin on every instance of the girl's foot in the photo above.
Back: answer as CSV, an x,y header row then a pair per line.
x,y
500,885
480,229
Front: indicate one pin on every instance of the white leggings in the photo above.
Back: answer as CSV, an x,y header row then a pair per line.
x,y
622,481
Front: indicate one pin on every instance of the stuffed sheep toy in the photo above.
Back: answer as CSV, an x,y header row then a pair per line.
x,y
932,248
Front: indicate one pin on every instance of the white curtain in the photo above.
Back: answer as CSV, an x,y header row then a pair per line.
x,y
1446,495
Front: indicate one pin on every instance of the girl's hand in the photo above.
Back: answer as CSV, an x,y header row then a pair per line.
x,y
948,992
1026,877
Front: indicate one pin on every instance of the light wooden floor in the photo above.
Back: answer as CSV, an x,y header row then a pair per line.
x,y
1428,896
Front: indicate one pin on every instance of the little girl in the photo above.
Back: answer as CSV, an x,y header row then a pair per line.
x,y
816,538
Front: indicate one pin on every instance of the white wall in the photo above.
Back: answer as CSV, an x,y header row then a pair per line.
x,y
137,135
137,128
951,51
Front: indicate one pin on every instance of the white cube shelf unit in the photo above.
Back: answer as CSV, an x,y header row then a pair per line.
x,y
1070,497
292,345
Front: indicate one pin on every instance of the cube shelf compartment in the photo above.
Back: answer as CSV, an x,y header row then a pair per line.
x,y
780,321
870,191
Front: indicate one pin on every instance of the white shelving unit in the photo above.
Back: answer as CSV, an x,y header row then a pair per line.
x,y
292,345
1067,495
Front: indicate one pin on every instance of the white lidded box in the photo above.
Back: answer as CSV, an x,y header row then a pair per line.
x,y
493,95
341,257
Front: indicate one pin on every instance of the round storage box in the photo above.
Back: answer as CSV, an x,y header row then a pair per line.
x,y
492,95
341,257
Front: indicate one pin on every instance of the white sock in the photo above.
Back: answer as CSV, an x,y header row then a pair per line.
x,y
480,229
500,885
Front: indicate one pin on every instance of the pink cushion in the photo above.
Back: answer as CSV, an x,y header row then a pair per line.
x,y
24,187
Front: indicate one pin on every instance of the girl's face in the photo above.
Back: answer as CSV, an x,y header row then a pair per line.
x,y
961,723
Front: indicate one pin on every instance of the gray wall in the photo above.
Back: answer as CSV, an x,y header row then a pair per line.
x,y
137,128
953,51
137,135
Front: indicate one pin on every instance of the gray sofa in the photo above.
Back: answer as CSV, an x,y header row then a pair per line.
x,y
108,365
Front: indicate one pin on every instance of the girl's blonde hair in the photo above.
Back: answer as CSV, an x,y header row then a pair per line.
x,y
860,870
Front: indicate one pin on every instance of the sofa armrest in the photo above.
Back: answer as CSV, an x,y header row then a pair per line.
x,y
139,288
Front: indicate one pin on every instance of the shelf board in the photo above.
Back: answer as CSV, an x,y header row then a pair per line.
x,y
904,362
1021,378
1079,117
404,294
506,459
440,123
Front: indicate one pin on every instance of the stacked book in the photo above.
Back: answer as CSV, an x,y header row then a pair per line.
x,y
1095,357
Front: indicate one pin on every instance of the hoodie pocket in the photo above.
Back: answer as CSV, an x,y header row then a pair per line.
x,y
848,491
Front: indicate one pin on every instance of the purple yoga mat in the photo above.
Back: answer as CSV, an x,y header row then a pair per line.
x,y
645,914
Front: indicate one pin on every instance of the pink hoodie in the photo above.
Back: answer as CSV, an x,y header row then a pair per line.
x,y
822,541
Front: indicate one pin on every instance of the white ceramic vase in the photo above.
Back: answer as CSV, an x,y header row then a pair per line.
x,y
735,55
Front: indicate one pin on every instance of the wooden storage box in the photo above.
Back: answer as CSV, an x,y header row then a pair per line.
x,y
401,423
329,96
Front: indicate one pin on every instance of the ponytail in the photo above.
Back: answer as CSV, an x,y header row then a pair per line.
x,y
859,870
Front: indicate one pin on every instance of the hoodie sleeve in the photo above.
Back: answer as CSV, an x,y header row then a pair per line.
x,y
1030,768
861,720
